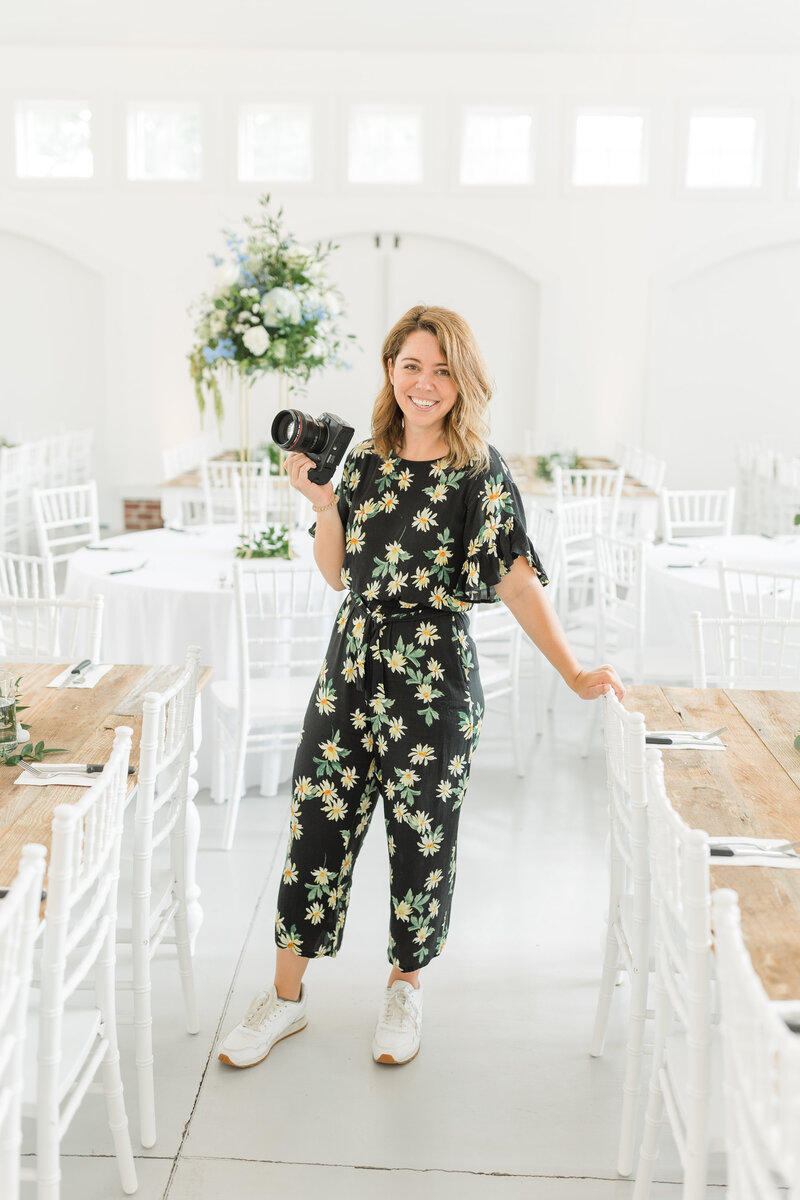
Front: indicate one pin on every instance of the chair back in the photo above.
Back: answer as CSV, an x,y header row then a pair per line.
x,y
746,652
22,468
66,519
679,865
762,1070
543,530
283,621
577,523
697,513
26,577
161,797
624,737
620,598
230,490
68,458
19,924
759,593
50,630
498,640
601,483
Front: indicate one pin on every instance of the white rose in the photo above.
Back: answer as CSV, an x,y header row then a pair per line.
x,y
226,274
280,305
332,303
256,339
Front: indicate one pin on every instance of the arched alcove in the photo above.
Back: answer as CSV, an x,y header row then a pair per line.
x,y
723,362
383,275
52,341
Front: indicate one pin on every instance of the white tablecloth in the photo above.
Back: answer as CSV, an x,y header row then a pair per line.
x,y
183,596
674,590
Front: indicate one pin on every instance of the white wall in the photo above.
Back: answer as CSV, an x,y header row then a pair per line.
x,y
606,266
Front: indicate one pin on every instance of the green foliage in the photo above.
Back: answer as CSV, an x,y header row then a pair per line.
x,y
31,753
269,543
546,462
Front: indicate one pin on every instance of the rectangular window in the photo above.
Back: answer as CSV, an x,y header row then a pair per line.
x,y
165,141
496,146
276,143
724,150
54,139
385,144
610,150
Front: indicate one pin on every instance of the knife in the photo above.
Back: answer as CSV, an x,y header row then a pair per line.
x,y
76,673
720,851
71,768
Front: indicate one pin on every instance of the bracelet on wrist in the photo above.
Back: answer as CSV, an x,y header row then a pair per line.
x,y
318,508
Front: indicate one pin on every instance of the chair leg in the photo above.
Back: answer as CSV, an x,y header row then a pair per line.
x,y
218,767
143,1037
237,786
633,1070
112,1080
608,979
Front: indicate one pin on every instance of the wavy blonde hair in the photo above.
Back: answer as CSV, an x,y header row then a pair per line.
x,y
465,426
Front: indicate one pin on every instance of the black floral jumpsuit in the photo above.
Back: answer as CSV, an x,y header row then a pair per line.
x,y
398,705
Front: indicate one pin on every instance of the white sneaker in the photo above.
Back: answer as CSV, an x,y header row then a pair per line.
x,y
267,1021
399,1028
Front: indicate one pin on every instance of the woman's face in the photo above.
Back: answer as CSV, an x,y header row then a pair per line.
x,y
423,388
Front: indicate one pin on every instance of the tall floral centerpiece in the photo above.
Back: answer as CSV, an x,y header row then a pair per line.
x,y
273,310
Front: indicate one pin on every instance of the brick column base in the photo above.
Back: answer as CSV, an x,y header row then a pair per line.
x,y
142,514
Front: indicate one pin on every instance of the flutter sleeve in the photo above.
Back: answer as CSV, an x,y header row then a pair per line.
x,y
494,533
352,471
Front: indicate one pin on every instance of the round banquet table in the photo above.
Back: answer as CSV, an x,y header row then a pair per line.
x,y
175,591
682,577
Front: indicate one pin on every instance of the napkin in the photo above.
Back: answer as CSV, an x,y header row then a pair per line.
x,y
684,741
91,676
28,779
755,859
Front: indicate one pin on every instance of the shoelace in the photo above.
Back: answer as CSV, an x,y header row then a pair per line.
x,y
398,1008
260,1011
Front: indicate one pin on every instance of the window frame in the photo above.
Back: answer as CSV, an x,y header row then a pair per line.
x,y
431,154
208,176
705,106
99,138
510,107
589,107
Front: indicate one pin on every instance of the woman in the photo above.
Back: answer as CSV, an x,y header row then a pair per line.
x,y
427,521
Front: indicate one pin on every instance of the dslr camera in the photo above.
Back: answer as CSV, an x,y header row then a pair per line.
x,y
324,439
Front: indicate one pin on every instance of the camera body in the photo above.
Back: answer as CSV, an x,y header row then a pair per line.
x,y
323,439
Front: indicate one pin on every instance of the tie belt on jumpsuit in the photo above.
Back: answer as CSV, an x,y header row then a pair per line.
x,y
377,621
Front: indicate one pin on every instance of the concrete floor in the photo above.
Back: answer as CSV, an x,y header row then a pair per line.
x,y
503,1100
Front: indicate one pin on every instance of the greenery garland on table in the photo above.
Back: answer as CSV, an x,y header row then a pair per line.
x,y
30,752
546,462
273,310
269,543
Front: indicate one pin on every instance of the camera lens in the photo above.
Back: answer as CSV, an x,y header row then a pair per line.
x,y
296,430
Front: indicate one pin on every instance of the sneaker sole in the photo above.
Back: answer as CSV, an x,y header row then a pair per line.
x,y
243,1066
395,1062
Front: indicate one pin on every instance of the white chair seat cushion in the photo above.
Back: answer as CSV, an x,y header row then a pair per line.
x,y
279,699
79,1031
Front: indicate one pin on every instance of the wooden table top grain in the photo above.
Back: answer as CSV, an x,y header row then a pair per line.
x,y
750,789
83,722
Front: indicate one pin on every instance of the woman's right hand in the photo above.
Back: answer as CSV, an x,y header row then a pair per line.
x,y
297,468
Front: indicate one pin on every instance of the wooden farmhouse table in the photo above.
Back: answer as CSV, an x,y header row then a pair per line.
x,y
83,721
750,789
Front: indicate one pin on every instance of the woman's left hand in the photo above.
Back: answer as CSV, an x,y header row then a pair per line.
x,y
589,685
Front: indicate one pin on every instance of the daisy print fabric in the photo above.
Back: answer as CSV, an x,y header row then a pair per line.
x,y
397,709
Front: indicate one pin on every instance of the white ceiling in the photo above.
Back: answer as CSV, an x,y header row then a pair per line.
x,y
548,26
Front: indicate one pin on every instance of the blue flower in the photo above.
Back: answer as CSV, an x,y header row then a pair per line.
x,y
223,349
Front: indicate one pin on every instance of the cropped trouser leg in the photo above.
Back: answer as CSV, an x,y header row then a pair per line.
x,y
350,753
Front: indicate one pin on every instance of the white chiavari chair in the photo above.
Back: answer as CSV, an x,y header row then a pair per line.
x,y
283,624
498,642
620,600
749,593
26,577
628,934
22,468
761,1069
595,483
66,519
153,900
686,1077
746,652
51,630
697,513
76,1032
230,490
19,925
68,458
